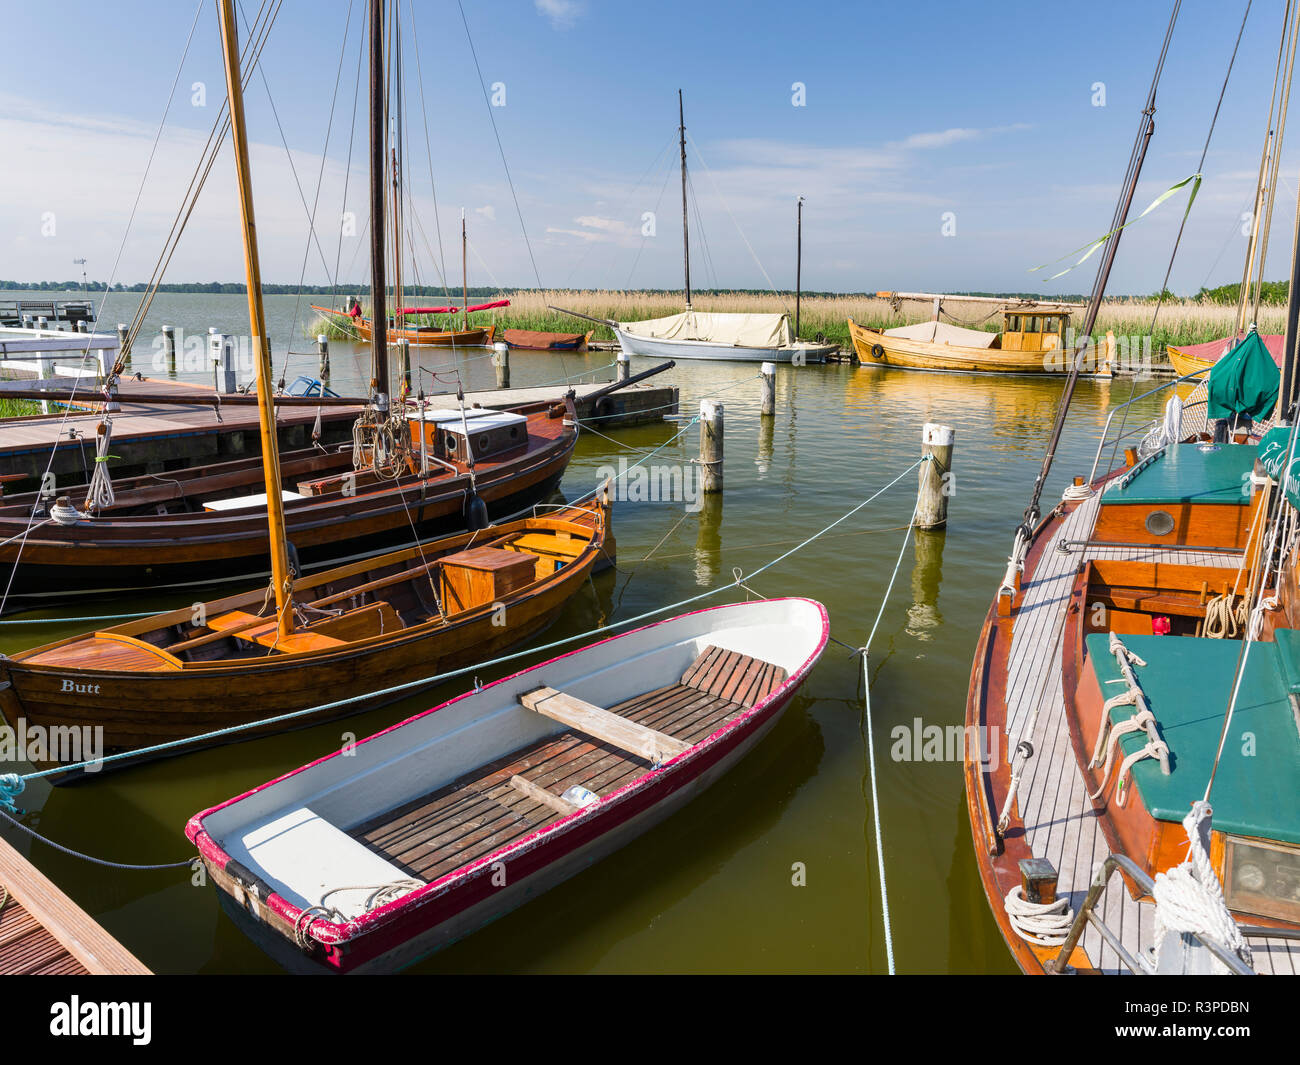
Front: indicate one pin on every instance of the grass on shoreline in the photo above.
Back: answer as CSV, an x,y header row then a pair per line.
x,y
1180,321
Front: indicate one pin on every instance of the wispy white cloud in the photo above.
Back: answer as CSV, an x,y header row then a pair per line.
x,y
562,13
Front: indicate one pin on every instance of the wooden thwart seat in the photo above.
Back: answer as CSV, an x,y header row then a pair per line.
x,y
598,722
733,676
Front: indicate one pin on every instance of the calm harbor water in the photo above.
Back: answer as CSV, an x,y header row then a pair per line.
x,y
712,889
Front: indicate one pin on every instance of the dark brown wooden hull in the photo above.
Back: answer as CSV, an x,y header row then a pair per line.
x,y
141,708
55,562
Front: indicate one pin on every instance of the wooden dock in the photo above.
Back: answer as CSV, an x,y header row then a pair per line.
x,y
152,438
45,933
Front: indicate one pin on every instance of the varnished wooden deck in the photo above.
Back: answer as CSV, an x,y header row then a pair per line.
x,y
45,933
1060,821
478,813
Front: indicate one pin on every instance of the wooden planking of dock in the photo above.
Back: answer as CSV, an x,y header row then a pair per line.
x,y
45,933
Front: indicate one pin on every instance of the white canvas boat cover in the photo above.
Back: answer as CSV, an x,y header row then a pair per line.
x,y
943,333
740,330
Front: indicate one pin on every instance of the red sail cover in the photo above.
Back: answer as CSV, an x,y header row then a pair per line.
x,y
1213,350
453,310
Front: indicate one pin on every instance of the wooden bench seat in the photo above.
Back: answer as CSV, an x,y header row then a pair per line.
x,y
733,676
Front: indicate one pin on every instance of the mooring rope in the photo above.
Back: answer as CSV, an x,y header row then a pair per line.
x,y
869,728
188,863
439,678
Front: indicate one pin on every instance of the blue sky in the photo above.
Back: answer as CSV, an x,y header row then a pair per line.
x,y
912,111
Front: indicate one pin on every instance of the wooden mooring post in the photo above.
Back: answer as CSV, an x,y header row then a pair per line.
x,y
169,348
124,343
768,377
934,484
323,361
501,363
710,446
624,365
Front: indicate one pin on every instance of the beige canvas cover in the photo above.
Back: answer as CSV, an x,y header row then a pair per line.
x,y
740,330
943,333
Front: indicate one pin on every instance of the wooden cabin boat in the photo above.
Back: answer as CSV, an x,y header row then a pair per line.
x,y
539,340
424,336
1101,682
1030,342
199,526
360,628
372,861
1188,359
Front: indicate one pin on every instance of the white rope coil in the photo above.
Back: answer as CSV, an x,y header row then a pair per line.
x,y
1223,619
1046,924
99,496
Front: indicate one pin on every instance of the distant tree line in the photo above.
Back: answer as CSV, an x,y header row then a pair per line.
x,y
1271,292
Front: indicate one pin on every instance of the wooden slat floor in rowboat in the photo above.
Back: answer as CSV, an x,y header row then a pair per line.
x,y
482,811
1059,819
45,933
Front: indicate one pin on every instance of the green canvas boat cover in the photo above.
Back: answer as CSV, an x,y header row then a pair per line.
x,y
1245,381
1187,682
1184,473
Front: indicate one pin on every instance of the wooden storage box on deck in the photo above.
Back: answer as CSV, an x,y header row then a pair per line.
x,y
484,575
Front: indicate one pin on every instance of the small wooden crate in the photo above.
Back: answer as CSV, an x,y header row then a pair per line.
x,y
484,575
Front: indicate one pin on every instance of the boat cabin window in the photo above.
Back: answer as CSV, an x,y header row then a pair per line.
x,y
1049,325
1013,323
1032,324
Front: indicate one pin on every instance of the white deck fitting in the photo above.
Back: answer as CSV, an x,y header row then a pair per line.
x,y
1060,822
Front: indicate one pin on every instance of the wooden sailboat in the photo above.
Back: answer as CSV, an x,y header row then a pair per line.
x,y
338,634
1032,341
359,328
371,861
722,336
1134,686
195,527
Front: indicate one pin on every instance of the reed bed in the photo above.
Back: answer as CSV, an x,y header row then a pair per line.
x,y
1179,322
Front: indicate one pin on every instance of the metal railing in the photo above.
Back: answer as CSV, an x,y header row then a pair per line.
x,y
1142,429
1087,915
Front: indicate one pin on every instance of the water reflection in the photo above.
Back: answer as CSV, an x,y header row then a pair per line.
x,y
708,541
927,574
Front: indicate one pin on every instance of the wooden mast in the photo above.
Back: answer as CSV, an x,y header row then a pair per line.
x,y
379,304
798,263
281,578
464,270
395,95
686,240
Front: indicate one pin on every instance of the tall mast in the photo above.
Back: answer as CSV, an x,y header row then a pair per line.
x,y
395,95
280,575
379,304
1286,389
464,269
798,264
686,240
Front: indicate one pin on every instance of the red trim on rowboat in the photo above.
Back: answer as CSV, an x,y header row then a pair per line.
x,y
331,933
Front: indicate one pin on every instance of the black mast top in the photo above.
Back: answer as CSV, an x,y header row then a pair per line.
x,y
686,240
379,305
